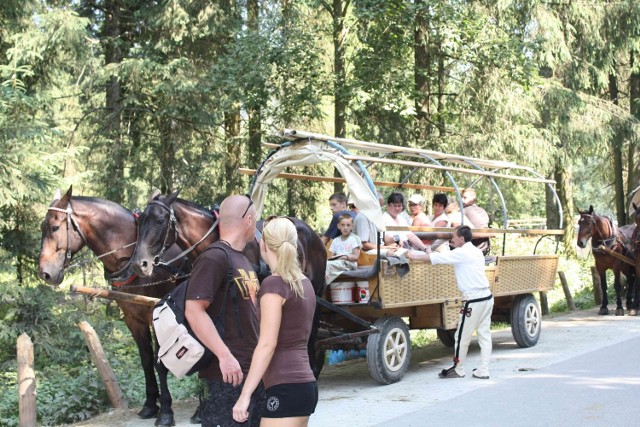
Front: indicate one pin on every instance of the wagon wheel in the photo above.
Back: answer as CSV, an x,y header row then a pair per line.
x,y
447,337
389,352
526,320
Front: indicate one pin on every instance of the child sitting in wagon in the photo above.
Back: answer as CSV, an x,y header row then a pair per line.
x,y
345,250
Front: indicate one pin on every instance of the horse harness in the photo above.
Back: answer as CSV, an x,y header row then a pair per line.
x,y
120,278
157,260
609,242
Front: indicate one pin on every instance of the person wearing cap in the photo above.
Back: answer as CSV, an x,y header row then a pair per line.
x,y
416,207
338,205
392,217
440,219
366,230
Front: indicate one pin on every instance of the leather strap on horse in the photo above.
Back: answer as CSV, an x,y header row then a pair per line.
x,y
71,222
189,249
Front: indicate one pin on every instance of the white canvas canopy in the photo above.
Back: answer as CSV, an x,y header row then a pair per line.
x,y
311,152
304,148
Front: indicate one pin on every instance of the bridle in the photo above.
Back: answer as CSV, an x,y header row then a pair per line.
x,y
157,260
73,223
607,242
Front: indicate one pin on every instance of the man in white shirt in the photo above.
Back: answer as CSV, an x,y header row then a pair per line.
x,y
468,264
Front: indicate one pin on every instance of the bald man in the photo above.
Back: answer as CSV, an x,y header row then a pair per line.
x,y
221,308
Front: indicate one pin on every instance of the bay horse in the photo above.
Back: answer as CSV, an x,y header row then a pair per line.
x,y
602,232
169,219
110,230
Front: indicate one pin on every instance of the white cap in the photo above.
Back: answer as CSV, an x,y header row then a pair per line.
x,y
416,199
351,200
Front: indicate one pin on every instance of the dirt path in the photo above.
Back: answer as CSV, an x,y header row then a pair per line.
x,y
348,396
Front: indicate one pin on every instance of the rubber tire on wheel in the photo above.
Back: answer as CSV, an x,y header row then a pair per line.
x,y
526,320
447,337
389,352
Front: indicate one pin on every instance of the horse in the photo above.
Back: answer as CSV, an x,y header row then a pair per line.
x,y
109,230
169,219
602,232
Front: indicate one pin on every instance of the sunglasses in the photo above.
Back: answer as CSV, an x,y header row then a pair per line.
x,y
248,206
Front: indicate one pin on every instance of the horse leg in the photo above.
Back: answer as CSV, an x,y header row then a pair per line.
x,y
316,357
618,287
142,336
165,417
605,299
633,311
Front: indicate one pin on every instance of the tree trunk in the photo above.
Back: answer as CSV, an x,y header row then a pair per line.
x,y
616,147
634,107
422,63
233,184
563,176
254,149
339,69
113,55
338,13
167,156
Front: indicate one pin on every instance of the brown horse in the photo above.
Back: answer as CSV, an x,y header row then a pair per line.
x,y
109,230
170,219
602,232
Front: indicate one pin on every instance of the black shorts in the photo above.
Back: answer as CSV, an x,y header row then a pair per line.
x,y
291,400
217,410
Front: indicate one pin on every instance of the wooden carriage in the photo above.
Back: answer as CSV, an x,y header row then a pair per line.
x,y
427,295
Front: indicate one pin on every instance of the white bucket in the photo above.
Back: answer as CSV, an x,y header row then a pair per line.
x,y
363,292
342,292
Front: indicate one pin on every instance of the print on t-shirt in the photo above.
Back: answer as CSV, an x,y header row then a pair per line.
x,y
248,284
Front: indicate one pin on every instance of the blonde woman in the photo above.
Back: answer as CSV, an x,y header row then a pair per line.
x,y
280,360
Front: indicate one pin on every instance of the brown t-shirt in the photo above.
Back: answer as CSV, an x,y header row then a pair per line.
x,y
208,282
290,362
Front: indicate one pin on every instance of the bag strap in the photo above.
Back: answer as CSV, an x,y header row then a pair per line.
x,y
234,291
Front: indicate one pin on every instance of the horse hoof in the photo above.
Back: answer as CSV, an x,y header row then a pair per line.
x,y
165,420
619,311
603,311
633,312
196,419
148,412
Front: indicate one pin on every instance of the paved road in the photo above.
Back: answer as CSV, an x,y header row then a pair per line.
x,y
585,370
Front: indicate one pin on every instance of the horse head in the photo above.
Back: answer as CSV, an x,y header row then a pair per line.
x,y
61,239
156,232
585,227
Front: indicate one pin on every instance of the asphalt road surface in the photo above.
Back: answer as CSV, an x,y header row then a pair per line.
x,y
585,370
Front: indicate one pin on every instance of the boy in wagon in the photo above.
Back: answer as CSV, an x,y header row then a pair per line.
x,y
344,249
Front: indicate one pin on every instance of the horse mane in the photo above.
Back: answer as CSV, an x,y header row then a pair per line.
x,y
196,206
104,203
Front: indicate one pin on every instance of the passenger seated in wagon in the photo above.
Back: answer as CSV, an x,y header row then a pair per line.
x,y
344,249
392,217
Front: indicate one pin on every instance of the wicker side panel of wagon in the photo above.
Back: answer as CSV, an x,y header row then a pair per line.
x,y
524,274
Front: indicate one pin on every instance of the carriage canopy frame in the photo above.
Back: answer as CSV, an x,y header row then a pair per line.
x,y
302,148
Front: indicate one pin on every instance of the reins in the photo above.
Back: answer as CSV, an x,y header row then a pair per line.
x,y
157,261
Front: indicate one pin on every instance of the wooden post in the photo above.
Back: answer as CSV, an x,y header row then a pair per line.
x,y
27,413
567,292
597,286
101,362
544,303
